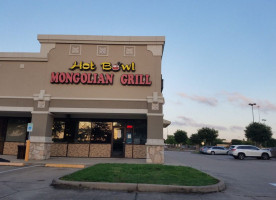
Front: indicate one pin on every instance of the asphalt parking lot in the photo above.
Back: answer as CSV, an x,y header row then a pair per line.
x,y
245,179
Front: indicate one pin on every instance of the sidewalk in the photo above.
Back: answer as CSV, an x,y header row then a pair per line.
x,y
70,161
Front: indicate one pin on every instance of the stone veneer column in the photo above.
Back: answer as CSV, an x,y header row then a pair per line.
x,y
41,136
155,141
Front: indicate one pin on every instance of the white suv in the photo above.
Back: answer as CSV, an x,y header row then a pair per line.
x,y
242,151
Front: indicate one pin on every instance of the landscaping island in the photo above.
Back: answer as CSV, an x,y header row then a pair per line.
x,y
141,178
142,173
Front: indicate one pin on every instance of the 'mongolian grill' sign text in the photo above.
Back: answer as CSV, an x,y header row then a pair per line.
x,y
100,78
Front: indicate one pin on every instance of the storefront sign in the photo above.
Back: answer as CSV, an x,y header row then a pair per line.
x,y
101,78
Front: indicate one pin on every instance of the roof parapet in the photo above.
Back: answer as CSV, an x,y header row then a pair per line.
x,y
48,42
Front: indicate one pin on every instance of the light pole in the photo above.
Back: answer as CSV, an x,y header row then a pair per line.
x,y
264,120
252,104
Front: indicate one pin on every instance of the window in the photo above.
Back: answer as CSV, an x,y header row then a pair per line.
x,y
140,132
64,130
58,131
88,131
17,130
101,132
84,132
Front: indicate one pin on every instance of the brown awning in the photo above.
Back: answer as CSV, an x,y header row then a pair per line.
x,y
166,123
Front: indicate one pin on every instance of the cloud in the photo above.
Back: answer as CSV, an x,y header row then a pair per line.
x,y
237,98
266,106
200,99
185,121
243,101
236,128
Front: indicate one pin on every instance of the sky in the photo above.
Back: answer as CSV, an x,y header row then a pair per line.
x,y
219,55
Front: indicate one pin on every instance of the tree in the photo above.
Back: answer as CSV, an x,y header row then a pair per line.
x,y
208,135
270,143
218,141
170,140
236,142
258,132
194,139
248,142
180,137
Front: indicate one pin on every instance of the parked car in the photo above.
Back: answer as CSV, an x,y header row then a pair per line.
x,y
204,149
242,151
217,150
230,148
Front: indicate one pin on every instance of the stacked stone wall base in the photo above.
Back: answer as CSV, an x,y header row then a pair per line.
x,y
155,154
39,151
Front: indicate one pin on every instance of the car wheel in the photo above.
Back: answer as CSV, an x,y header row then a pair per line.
x,y
213,153
241,156
265,156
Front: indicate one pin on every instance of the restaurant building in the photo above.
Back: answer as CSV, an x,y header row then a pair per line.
x,y
86,96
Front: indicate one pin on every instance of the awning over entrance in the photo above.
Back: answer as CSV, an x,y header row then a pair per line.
x,y
166,123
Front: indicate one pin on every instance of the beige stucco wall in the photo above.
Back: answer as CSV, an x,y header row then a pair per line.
x,y
42,124
22,82
156,127
36,76
26,75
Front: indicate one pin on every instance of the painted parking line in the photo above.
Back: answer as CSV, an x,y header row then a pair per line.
x,y
19,169
274,184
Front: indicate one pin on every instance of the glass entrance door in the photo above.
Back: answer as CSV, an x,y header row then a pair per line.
x,y
118,142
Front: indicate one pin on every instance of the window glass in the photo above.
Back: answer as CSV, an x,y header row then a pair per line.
x,y
101,132
17,130
64,130
117,124
84,132
58,131
140,132
71,127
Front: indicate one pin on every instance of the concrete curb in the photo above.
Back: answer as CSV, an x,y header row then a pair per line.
x,y
64,165
11,164
133,187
